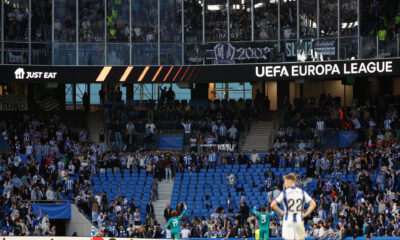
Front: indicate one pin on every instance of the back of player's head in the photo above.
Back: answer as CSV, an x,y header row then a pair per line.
x,y
290,177
173,213
263,209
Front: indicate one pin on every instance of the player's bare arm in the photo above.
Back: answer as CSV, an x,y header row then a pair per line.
x,y
274,205
311,208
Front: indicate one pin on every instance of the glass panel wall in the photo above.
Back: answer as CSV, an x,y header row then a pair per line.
x,y
288,19
265,19
193,21
216,21
64,47
91,32
328,18
144,32
118,32
122,32
240,20
308,18
171,32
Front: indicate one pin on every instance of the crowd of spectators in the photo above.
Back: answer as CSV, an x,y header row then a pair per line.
x,y
310,127
133,127
57,165
357,194
357,191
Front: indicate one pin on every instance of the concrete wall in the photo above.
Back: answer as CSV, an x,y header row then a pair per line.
x,y
78,223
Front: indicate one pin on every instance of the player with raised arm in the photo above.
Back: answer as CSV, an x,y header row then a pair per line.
x,y
263,222
293,199
175,223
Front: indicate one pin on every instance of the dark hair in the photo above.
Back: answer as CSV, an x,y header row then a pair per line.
x,y
263,209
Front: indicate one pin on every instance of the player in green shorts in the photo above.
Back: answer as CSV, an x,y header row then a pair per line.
x,y
175,223
263,222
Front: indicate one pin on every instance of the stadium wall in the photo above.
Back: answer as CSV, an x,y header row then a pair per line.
x,y
78,223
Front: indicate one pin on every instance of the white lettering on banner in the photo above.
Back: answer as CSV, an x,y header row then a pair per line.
x,y
21,74
324,69
221,147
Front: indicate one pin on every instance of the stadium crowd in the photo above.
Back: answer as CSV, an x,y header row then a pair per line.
x,y
131,127
365,205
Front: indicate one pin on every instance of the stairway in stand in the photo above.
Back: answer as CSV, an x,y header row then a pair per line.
x,y
95,125
260,137
164,196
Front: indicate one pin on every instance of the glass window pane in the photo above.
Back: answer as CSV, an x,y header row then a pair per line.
x,y
80,90
328,18
41,53
64,20
16,53
288,19
68,94
171,54
171,21
64,53
16,20
240,18
41,20
117,54
216,26
348,18
91,21
193,21
144,21
118,20
181,93
94,93
266,19
308,18
145,54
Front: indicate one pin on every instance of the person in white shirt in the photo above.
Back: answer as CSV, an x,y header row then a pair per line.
x,y
151,126
232,133
230,178
186,232
254,157
294,199
187,128
387,123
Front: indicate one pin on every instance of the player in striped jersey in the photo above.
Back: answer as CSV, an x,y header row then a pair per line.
x,y
293,199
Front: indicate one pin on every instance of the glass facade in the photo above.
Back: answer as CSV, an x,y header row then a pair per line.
x,y
173,32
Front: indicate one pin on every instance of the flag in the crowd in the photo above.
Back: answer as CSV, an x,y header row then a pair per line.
x,y
92,232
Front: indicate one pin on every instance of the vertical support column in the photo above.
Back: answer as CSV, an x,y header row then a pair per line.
x,y
398,44
279,25
204,21
338,28
30,32
158,41
358,30
74,95
2,31
105,32
252,21
298,19
77,31
130,33
52,32
318,17
183,31
228,19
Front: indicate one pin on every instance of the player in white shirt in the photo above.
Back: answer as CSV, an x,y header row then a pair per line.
x,y
293,199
